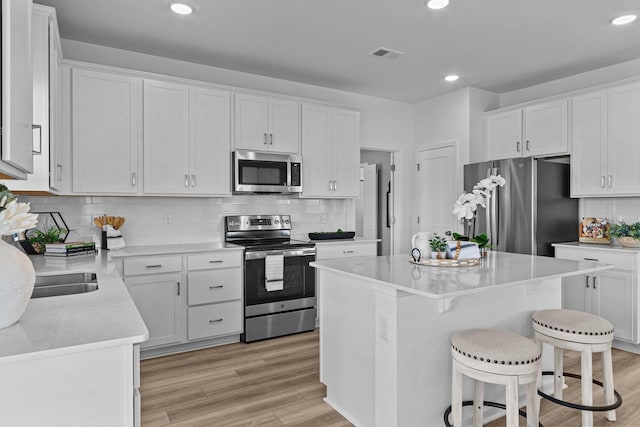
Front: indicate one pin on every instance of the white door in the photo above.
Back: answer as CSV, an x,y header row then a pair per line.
x,y
105,112
546,129
251,120
317,170
346,153
367,203
166,138
436,186
614,290
623,173
210,141
284,127
504,135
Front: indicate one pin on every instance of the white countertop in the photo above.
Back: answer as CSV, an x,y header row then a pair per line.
x,y
177,248
596,246
55,325
499,269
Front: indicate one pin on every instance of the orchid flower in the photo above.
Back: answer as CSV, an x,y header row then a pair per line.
x,y
15,217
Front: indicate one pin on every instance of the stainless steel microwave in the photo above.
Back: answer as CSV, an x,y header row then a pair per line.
x,y
258,172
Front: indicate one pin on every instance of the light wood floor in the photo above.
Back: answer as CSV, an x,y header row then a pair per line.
x,y
275,383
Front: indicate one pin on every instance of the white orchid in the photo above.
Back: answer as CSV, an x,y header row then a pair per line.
x,y
467,204
15,217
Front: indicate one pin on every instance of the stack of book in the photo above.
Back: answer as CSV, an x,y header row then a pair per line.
x,y
70,248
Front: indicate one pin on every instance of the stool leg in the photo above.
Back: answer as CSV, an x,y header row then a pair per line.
x,y
456,395
558,368
512,402
478,402
607,368
587,388
533,404
537,397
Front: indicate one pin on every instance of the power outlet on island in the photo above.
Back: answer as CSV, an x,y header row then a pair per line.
x,y
384,328
323,219
167,221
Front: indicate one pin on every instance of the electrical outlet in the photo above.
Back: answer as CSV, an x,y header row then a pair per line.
x,y
167,221
323,219
384,328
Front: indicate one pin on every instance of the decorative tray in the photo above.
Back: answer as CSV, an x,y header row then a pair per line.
x,y
467,262
332,235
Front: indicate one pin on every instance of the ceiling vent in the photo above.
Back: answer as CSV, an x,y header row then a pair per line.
x,y
388,54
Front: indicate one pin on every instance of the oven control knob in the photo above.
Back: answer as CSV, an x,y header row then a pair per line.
x,y
281,305
286,221
277,221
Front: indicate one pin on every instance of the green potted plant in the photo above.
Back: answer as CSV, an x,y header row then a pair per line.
x,y
627,234
438,246
39,238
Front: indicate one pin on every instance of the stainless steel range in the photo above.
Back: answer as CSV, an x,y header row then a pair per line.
x,y
279,284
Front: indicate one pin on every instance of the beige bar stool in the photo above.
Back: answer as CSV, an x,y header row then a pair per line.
x,y
588,334
497,357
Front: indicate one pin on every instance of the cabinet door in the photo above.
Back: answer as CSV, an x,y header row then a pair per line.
x,y
346,153
17,84
317,166
546,129
159,301
284,125
504,135
210,141
575,290
251,122
623,173
105,113
166,138
589,144
55,162
614,301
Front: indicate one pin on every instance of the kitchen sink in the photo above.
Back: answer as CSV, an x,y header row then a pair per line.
x,y
64,284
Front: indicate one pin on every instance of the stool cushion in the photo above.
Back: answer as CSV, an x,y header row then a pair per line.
x,y
495,346
573,322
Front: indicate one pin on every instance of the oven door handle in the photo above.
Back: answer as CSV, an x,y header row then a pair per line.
x,y
248,255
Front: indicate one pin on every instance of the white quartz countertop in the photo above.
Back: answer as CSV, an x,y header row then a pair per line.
x,y
499,269
176,248
61,324
598,247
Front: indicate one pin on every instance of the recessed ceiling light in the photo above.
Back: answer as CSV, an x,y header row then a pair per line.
x,y
452,77
436,4
624,19
181,8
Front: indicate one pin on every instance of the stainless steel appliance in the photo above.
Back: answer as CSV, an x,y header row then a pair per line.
x,y
279,284
257,172
532,210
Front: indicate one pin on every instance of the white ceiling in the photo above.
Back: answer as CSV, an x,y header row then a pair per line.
x,y
497,45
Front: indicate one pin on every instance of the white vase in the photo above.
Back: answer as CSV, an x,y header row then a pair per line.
x,y
17,278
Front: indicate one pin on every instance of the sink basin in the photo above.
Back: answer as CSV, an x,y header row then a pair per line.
x,y
64,284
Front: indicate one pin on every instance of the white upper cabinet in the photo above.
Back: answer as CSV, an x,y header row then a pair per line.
x,y
187,142
536,130
106,111
330,152
266,124
16,160
606,142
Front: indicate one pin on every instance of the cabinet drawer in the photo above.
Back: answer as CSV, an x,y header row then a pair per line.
x,y
215,319
342,250
214,285
152,265
620,261
214,260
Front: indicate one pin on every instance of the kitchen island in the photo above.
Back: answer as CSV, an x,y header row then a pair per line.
x,y
385,326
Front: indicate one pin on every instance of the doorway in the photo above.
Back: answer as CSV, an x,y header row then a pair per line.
x,y
375,207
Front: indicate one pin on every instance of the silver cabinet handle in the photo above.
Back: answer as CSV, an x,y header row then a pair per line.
x,y
335,185
59,172
518,146
348,252
216,286
178,283
602,181
528,145
154,266
133,177
594,282
215,261
216,320
587,281
270,139
193,180
591,259
330,186
265,139
186,180
610,180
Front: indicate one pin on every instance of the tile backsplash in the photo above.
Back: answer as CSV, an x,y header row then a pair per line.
x,y
161,220
612,208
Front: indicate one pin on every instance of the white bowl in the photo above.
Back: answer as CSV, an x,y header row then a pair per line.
x,y
629,242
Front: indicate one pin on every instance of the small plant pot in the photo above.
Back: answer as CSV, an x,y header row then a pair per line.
x,y
629,242
438,255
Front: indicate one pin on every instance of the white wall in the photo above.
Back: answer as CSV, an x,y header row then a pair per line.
x,y
385,124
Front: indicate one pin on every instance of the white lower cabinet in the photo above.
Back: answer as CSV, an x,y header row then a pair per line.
x,y
206,321
611,294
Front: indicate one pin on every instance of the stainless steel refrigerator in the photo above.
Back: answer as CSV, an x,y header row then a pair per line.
x,y
532,210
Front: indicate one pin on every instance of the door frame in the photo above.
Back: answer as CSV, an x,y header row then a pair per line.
x,y
457,177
